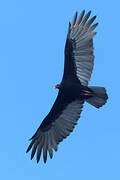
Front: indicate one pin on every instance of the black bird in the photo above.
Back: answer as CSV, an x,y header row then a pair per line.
x,y
73,89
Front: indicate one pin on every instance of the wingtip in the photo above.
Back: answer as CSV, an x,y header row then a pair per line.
x,y
27,150
74,19
37,161
30,146
45,160
80,17
51,156
69,24
83,11
93,27
89,12
93,18
76,13
97,24
31,156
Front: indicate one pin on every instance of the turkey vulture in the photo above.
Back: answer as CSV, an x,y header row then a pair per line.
x,y
73,89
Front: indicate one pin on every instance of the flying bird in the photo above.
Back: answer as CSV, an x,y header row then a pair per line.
x,y
73,89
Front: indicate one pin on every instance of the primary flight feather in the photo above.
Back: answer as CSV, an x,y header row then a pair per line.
x,y
73,89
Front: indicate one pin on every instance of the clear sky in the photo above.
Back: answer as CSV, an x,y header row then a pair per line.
x,y
32,39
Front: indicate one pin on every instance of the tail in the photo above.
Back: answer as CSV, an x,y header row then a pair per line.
x,y
100,96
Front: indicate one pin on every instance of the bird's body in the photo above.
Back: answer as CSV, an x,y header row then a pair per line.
x,y
73,89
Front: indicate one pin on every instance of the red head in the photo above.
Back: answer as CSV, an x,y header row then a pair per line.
x,y
57,86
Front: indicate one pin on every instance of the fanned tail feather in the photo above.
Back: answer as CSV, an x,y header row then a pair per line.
x,y
99,98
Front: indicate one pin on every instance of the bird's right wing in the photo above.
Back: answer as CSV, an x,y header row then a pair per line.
x,y
57,125
79,58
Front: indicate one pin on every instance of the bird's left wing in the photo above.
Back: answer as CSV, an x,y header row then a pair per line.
x,y
57,125
79,58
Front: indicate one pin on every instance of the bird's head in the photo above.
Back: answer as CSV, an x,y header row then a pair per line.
x,y
58,86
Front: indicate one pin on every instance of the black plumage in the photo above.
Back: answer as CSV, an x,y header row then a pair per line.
x,y
73,89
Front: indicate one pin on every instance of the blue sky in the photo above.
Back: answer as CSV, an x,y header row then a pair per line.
x,y
32,39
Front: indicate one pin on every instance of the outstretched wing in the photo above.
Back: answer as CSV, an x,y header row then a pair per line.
x,y
79,58
57,125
